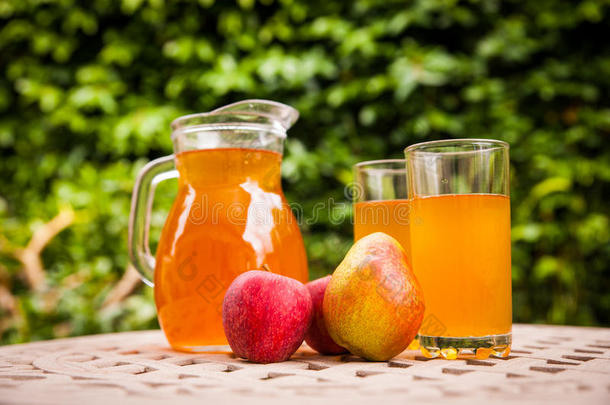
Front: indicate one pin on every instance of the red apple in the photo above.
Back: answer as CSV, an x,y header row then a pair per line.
x,y
317,335
265,316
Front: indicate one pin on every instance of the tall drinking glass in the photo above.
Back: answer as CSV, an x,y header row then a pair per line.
x,y
460,245
380,200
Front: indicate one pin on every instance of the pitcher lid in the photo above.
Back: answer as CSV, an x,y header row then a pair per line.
x,y
254,111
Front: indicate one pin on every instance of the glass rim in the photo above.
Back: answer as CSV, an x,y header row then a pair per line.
x,y
365,163
488,145
377,166
378,161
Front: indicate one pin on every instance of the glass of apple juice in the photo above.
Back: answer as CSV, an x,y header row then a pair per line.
x,y
460,245
381,203
380,200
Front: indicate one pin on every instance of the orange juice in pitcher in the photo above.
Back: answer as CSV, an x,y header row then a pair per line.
x,y
229,216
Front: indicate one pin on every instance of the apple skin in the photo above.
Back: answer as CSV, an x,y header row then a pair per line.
x,y
317,336
265,316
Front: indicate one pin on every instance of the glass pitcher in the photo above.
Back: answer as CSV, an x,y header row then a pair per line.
x,y
230,216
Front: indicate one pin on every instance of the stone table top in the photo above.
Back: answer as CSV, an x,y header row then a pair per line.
x,y
559,364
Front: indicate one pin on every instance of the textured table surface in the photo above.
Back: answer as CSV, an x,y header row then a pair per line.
x,y
548,364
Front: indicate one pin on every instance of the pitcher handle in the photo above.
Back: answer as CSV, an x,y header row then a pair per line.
x,y
139,217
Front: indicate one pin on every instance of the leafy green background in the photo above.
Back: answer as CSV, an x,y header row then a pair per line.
x,y
88,89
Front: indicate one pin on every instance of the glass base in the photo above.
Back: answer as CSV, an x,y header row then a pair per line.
x,y
479,347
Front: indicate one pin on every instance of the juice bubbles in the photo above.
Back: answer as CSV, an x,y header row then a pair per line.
x,y
460,246
229,216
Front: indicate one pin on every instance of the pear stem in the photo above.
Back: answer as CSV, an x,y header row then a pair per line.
x,y
266,268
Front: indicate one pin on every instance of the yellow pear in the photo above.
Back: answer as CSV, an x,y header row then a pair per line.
x,y
373,305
